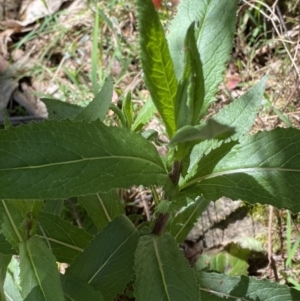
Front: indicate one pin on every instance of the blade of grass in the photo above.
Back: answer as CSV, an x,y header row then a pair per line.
x,y
95,52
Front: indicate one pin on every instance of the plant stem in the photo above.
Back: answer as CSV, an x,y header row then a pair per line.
x,y
162,219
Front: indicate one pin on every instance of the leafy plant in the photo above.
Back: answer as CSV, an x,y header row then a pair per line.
x,y
75,155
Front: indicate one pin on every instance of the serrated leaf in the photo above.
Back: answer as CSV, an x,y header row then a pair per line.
x,y
4,261
262,168
190,92
162,273
240,115
112,252
5,246
61,110
66,241
98,107
243,288
102,207
211,130
157,63
54,207
185,220
75,290
12,223
145,114
216,26
54,159
39,274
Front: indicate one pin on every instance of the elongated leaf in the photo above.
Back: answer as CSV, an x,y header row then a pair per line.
x,y
63,159
127,110
12,224
4,261
156,62
61,110
145,114
216,20
244,288
211,130
263,168
159,262
75,290
66,241
190,93
240,115
98,107
102,207
112,252
54,207
39,273
184,221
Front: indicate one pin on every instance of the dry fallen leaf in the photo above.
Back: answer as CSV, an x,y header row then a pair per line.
x,y
30,102
32,10
23,94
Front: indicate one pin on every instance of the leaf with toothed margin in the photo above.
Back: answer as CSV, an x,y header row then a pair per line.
x,y
214,37
59,159
157,64
262,168
162,273
112,251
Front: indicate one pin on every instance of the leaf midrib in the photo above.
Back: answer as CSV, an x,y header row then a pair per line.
x,y
234,171
35,271
59,242
210,291
186,222
80,161
161,268
111,256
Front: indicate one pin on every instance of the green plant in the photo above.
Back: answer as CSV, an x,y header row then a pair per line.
x,y
75,155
